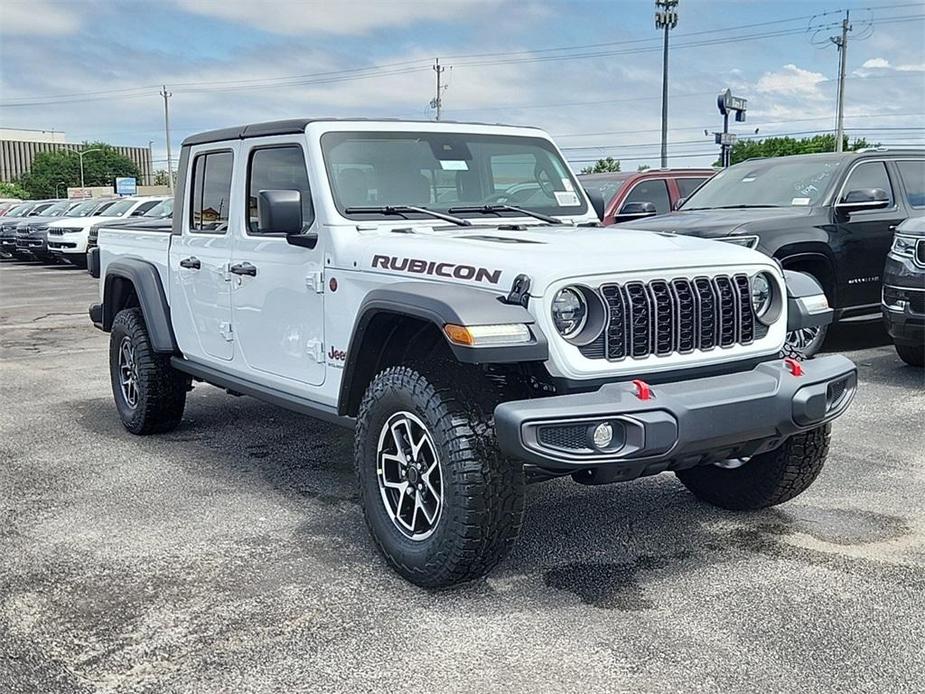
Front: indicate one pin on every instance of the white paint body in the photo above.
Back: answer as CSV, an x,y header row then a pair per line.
x,y
76,234
284,327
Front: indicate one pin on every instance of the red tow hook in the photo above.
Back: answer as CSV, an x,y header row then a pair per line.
x,y
643,390
793,366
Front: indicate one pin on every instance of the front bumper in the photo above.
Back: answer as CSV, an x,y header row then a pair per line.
x,y
683,424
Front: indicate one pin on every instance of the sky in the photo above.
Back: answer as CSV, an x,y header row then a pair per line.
x,y
587,72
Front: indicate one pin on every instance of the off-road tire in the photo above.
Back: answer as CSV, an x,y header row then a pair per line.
x,y
483,492
161,389
767,479
913,355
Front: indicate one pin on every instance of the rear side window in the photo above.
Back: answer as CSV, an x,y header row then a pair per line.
x,y
870,174
211,192
913,175
278,168
654,191
686,186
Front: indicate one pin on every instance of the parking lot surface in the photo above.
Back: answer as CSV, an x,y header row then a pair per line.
x,y
231,554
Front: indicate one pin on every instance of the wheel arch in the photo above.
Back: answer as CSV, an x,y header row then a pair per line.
x,y
136,283
404,321
815,260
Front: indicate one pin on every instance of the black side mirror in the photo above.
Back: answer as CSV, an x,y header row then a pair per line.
x,y
863,199
597,202
638,209
280,212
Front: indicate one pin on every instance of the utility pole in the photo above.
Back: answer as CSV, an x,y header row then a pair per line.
x,y
167,95
437,102
666,17
841,42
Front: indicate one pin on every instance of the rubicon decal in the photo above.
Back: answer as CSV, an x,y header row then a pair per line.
x,y
437,269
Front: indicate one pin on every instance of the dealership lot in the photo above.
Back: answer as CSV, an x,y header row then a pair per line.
x,y
230,555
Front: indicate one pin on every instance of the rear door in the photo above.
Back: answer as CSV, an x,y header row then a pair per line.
x,y
864,237
278,309
199,258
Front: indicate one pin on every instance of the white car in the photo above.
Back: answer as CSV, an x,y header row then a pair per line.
x,y
69,237
367,273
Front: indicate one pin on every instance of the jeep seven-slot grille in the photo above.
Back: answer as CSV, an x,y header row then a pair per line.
x,y
663,317
920,251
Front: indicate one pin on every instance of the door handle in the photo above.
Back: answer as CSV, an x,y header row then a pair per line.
x,y
191,263
243,269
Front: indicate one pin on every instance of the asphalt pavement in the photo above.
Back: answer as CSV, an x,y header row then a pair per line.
x,y
231,555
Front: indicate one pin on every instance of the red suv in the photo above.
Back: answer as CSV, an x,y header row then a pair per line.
x,y
621,197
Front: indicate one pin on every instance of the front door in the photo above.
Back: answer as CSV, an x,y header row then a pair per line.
x,y
865,236
278,309
199,279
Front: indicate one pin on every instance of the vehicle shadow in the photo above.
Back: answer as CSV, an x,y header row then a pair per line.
x,y
845,337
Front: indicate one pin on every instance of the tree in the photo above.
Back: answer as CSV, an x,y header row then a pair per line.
x,y
61,168
608,165
160,178
13,190
643,167
784,146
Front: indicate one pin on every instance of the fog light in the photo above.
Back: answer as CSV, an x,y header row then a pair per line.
x,y
602,436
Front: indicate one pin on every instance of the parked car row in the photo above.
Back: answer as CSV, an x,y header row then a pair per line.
x,y
832,216
63,230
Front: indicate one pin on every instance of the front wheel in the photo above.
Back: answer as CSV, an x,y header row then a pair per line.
x,y
913,355
763,480
441,502
807,341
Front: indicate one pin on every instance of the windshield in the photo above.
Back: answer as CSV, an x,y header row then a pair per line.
x,y
767,183
56,210
443,170
19,210
117,209
161,210
84,209
607,186
38,209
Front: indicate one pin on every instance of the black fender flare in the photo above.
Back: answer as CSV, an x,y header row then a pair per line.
x,y
440,304
152,299
800,286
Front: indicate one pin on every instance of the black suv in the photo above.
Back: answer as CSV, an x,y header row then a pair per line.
x,y
904,291
829,215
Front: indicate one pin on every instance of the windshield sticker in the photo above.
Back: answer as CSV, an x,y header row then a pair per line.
x,y
567,184
800,201
454,165
566,198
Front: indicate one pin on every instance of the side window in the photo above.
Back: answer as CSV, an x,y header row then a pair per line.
x,y
211,188
278,168
144,207
686,186
654,191
913,175
870,174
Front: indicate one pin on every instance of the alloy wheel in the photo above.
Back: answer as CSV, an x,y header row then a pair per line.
x,y
128,372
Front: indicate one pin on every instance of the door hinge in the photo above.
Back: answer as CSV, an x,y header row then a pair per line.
x,y
315,349
225,329
315,280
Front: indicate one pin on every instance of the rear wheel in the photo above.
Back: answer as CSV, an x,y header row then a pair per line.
x,y
443,505
913,355
763,480
149,393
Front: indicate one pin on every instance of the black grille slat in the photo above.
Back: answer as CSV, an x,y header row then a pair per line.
x,y
663,317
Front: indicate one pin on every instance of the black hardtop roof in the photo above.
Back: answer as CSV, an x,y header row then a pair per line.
x,y
297,125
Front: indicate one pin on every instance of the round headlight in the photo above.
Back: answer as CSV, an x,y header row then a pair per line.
x,y
762,293
569,311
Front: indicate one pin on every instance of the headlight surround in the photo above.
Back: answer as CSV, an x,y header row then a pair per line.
x,y
762,294
569,311
903,246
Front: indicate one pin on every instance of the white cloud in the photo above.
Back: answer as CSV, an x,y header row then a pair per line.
x,y
335,17
791,80
37,17
873,63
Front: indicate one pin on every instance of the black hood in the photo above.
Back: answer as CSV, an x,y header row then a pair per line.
x,y
718,222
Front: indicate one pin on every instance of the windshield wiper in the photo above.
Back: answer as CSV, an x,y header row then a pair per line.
x,y
727,207
404,209
495,209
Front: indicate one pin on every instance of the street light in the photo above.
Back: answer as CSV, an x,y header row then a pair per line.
x,y
81,155
59,183
666,17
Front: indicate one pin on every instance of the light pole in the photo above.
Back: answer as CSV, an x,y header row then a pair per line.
x,y
59,183
666,17
81,156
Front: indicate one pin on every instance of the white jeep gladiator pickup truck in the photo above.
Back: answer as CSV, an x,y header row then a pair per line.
x,y
371,273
